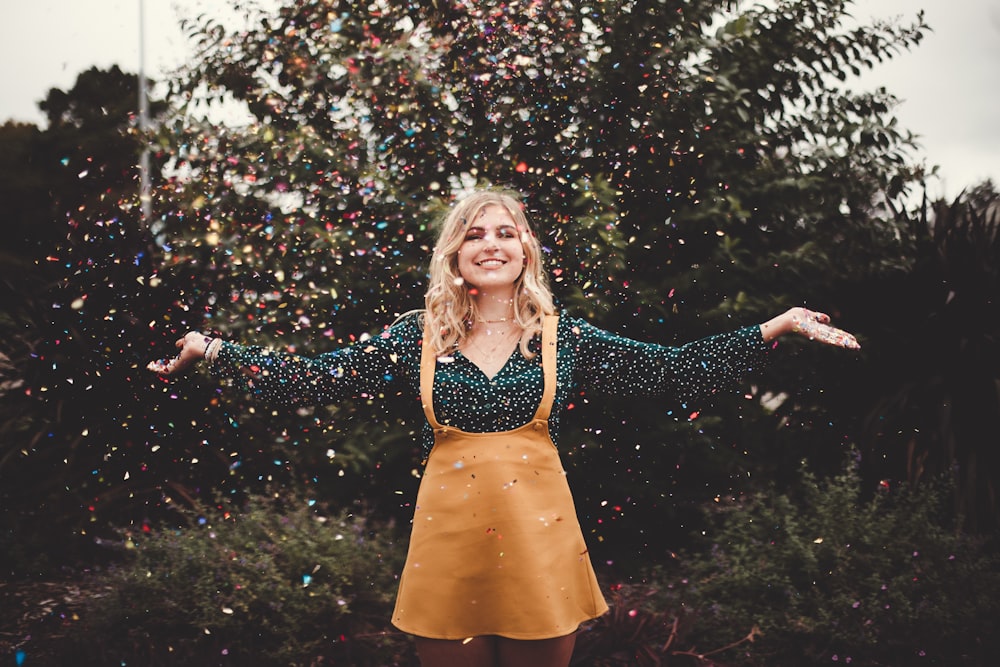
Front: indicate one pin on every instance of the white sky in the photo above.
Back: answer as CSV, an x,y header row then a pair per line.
x,y
950,85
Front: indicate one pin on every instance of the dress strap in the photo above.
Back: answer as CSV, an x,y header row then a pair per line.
x,y
549,340
428,362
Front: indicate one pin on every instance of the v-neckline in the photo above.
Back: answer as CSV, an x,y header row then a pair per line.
x,y
506,362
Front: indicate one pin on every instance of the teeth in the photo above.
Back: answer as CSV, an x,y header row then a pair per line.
x,y
490,262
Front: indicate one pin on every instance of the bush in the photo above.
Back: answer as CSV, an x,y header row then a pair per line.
x,y
823,575
829,576
278,583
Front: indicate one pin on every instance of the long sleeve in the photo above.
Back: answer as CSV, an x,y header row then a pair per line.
x,y
590,360
366,369
610,364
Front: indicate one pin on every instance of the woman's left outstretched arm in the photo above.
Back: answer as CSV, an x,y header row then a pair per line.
x,y
615,365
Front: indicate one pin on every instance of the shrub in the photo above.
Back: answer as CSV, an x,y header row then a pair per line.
x,y
829,576
278,583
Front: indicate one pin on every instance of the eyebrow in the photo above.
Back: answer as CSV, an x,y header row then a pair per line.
x,y
479,228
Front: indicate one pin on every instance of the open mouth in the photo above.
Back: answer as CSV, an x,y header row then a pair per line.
x,y
491,263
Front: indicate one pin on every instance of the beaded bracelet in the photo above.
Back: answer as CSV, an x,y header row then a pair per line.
x,y
212,346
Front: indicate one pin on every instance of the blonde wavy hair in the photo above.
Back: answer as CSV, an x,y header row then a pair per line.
x,y
450,308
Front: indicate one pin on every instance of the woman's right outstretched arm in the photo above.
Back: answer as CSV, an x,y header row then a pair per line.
x,y
363,369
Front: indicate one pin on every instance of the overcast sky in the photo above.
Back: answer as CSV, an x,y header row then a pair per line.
x,y
950,84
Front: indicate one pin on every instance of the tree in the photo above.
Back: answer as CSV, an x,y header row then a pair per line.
x,y
933,407
678,157
73,306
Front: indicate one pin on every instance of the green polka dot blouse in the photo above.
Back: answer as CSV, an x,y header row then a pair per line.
x,y
590,362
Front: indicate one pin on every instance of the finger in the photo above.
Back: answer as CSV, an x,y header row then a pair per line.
x,y
180,342
834,336
815,315
805,321
159,367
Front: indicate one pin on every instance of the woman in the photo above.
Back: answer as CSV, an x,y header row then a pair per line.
x,y
497,572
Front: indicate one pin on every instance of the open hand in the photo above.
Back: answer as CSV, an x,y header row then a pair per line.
x,y
192,349
816,326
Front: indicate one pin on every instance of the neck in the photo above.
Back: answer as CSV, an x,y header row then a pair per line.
x,y
493,308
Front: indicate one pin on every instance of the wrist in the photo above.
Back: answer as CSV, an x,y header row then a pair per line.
x,y
777,326
202,345
212,345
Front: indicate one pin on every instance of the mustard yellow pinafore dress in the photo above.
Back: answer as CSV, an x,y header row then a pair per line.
x,y
496,548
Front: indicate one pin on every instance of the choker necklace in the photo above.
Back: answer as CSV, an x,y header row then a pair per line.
x,y
502,319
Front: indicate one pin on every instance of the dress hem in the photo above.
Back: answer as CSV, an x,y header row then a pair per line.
x,y
505,635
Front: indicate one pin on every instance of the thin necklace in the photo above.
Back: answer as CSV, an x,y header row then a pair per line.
x,y
505,318
501,339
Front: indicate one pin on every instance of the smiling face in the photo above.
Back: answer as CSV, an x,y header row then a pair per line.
x,y
491,256
487,264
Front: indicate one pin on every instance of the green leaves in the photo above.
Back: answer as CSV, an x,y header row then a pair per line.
x,y
689,166
827,571
277,582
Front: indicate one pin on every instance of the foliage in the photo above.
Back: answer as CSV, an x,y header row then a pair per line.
x,y
827,574
674,137
934,403
75,301
639,632
676,158
821,575
690,167
277,583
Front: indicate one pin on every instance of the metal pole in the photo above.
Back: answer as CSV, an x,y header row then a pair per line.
x,y
145,198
